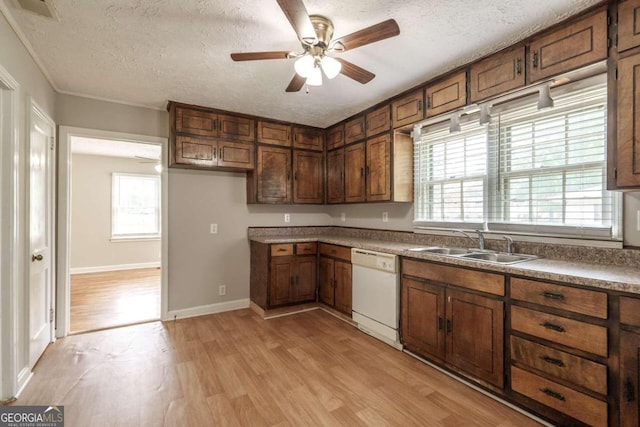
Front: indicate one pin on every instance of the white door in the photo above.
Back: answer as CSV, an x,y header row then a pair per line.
x,y
40,234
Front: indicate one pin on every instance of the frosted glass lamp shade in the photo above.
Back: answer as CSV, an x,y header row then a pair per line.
x,y
304,65
330,66
315,77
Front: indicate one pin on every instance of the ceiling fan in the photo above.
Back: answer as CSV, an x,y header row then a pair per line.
x,y
315,32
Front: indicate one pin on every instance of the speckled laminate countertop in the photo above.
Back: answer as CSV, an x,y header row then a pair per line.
x,y
609,277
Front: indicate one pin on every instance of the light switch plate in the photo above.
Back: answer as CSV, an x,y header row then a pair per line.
x,y
213,229
287,217
385,216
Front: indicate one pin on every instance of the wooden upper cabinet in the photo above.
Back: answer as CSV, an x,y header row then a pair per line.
x,y
447,95
569,47
274,133
273,175
196,122
497,74
354,130
626,160
628,24
233,127
210,153
378,168
378,121
335,136
308,177
335,176
408,109
308,138
232,154
354,180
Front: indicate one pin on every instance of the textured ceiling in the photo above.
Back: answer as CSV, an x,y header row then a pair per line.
x,y
146,52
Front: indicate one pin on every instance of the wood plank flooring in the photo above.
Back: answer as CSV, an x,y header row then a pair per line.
x,y
114,298
236,369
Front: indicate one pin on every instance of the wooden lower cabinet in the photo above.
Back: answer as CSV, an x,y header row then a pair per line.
x,y
335,284
462,329
629,379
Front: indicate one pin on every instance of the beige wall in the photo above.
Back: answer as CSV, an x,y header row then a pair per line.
x,y
91,247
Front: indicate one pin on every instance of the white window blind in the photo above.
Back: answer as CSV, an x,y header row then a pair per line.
x,y
135,206
541,172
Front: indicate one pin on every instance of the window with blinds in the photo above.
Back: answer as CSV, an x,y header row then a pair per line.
x,y
541,172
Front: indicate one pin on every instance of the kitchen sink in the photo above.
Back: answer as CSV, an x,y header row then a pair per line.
x,y
499,258
442,251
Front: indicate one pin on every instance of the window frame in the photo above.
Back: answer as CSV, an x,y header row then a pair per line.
x,y
115,187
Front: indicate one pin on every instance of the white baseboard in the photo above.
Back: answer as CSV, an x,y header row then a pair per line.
x,y
202,310
105,268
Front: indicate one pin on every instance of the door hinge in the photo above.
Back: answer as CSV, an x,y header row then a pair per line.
x,y
51,315
52,143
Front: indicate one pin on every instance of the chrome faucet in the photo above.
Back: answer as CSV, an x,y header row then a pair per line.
x,y
480,238
509,244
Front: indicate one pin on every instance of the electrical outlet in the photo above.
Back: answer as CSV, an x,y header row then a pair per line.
x,y
287,217
213,228
222,290
343,217
385,216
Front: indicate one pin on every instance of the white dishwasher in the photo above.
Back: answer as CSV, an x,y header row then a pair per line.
x,y
376,295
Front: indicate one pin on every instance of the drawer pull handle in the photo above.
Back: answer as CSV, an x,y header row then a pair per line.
x,y
334,251
449,326
551,295
553,394
629,394
440,323
553,361
282,250
553,327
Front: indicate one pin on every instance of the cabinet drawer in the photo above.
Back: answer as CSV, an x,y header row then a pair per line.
x,y
283,249
335,251
575,369
558,329
470,279
306,248
591,303
564,399
630,311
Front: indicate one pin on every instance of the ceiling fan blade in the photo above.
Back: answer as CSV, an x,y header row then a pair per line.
x,y
296,83
354,72
372,34
253,56
298,17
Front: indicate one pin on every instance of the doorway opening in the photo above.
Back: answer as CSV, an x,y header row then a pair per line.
x,y
112,246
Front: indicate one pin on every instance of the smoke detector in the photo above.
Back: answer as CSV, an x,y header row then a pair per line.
x,y
43,8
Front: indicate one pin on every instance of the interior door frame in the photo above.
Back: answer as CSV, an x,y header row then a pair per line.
x,y
11,245
64,216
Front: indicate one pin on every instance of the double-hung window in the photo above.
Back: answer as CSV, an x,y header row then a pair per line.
x,y
135,206
529,170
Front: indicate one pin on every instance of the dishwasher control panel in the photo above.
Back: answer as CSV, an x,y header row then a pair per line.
x,y
372,259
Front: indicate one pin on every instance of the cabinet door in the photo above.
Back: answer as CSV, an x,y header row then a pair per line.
x,y
408,109
423,317
628,24
354,181
238,128
281,280
304,288
354,130
629,375
627,150
335,176
274,175
475,336
447,95
238,155
568,48
195,151
308,177
343,286
274,133
378,121
326,287
308,138
196,122
335,137
378,168
497,74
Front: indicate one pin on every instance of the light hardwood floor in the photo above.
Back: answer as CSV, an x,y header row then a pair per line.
x,y
114,298
236,369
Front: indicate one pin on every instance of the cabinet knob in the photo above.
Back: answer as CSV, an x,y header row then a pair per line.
x,y
35,257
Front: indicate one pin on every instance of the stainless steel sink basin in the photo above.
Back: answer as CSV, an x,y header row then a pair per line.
x,y
499,257
441,250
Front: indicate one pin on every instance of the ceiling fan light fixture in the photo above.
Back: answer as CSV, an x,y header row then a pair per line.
x,y
315,77
330,66
304,65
